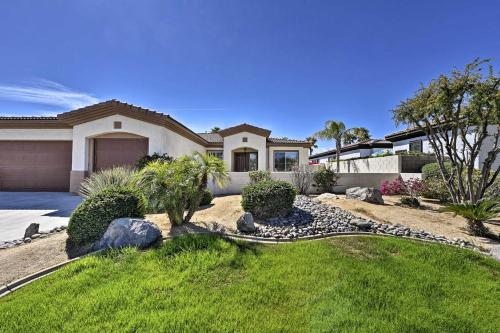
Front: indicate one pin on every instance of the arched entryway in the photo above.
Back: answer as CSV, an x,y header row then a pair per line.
x,y
245,159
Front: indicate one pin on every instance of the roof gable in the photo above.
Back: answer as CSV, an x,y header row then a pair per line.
x,y
113,107
245,128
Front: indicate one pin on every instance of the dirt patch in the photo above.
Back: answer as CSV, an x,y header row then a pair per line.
x,y
427,218
20,261
224,211
26,259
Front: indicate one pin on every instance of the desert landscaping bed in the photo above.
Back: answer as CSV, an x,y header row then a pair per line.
x,y
309,217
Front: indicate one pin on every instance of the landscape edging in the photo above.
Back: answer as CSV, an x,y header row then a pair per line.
x,y
17,284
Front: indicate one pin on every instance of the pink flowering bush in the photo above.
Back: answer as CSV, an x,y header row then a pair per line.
x,y
394,187
412,187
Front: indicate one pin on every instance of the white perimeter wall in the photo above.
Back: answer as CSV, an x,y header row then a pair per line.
x,y
385,164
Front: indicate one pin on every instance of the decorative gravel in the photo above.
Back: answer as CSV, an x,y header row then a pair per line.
x,y
311,218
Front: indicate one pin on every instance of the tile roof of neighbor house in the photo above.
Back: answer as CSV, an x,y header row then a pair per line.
x,y
371,143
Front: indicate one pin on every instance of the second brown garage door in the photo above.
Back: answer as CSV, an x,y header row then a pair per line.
x,y
35,165
118,152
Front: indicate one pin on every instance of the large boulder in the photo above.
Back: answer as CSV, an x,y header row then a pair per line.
x,y
245,223
367,194
129,232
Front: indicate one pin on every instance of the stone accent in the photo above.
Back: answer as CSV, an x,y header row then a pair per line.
x,y
367,194
129,232
245,223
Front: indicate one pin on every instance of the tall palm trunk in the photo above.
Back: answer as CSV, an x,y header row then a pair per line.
x,y
338,146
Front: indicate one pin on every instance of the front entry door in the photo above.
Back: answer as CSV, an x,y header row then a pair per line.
x,y
244,162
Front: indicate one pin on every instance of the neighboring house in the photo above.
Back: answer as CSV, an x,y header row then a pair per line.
x,y
57,153
415,140
356,150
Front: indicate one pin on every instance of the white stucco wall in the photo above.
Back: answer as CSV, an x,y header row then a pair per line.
x,y
161,139
235,141
48,134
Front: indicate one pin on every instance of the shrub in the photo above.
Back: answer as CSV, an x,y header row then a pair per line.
x,y
105,179
431,170
410,201
476,214
272,198
259,176
207,198
325,178
92,217
434,184
150,158
302,177
394,187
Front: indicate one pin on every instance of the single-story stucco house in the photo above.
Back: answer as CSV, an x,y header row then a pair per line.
x,y
57,153
356,150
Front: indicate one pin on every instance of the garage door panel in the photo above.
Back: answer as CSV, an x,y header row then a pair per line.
x,y
118,152
35,165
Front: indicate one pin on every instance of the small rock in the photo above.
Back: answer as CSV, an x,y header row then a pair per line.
x,y
362,224
245,223
326,196
31,230
27,240
35,236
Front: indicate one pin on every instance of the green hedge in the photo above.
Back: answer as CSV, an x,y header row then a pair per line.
x,y
271,198
92,217
434,185
259,176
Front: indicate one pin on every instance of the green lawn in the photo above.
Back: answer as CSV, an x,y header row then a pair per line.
x,y
204,283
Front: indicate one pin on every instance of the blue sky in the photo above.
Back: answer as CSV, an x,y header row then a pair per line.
x,y
285,65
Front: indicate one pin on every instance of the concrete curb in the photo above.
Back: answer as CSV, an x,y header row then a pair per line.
x,y
11,287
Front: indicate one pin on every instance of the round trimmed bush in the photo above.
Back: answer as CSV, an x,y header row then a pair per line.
x,y
92,217
207,198
271,198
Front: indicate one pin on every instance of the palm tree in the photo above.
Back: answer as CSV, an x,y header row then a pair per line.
x,y
333,131
356,134
476,214
215,129
211,167
313,142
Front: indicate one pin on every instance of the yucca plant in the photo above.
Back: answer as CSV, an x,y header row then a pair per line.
x,y
476,214
117,177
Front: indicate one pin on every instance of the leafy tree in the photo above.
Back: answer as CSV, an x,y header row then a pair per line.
x,y
356,134
460,114
334,130
313,142
215,129
476,214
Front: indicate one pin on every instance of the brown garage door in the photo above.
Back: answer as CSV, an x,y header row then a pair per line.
x,y
35,165
118,152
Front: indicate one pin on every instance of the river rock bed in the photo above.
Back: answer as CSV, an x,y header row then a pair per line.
x,y
312,218
39,235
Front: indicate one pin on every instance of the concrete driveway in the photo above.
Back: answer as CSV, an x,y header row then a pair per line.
x,y
19,209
